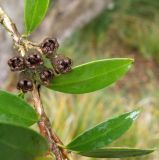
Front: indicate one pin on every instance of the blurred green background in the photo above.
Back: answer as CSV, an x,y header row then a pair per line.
x,y
128,28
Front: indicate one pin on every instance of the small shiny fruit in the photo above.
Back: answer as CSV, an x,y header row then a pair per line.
x,y
62,64
49,46
33,60
16,63
25,85
46,76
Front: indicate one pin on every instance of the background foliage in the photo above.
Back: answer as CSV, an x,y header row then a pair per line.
x,y
122,30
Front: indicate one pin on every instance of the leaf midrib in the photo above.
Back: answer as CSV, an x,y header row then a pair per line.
x,y
72,83
33,17
29,119
94,138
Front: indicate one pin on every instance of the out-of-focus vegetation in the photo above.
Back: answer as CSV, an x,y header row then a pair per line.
x,y
132,23
128,28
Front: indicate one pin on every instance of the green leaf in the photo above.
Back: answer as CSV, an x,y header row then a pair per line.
x,y
19,143
91,76
34,13
14,109
103,134
116,152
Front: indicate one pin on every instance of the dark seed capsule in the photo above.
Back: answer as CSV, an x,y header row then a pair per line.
x,y
46,76
62,64
33,60
25,85
16,63
49,46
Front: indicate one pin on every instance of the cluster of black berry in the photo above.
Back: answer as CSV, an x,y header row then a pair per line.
x,y
32,65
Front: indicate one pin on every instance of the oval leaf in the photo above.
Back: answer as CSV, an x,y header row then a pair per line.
x,y
91,76
14,109
103,134
116,153
34,13
19,143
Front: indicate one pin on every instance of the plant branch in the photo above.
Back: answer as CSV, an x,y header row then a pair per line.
x,y
22,44
44,123
12,30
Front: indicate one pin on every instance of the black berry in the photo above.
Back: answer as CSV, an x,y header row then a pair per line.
x,y
62,64
33,60
46,76
49,46
16,63
25,85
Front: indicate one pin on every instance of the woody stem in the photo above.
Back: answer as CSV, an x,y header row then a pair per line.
x,y
44,123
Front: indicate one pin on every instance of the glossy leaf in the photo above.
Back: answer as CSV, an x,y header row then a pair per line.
x,y
103,134
19,143
116,152
34,13
91,76
14,109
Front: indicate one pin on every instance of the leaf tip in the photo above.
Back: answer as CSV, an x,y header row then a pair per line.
x,y
148,151
132,60
134,114
152,150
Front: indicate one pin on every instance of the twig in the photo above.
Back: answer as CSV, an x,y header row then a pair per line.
x,y
52,135
12,30
21,43
44,123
